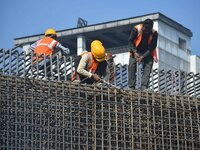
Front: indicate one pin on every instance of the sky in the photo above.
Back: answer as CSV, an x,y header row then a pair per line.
x,y
21,18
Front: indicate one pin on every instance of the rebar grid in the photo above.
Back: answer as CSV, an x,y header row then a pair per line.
x,y
40,114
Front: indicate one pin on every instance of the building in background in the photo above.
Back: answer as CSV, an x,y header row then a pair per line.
x,y
174,41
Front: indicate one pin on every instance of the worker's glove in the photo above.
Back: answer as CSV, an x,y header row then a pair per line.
x,y
66,51
96,77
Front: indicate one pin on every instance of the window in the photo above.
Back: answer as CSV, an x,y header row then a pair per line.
x,y
182,44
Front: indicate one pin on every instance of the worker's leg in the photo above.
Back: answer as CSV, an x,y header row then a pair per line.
x,y
148,63
131,72
44,68
48,69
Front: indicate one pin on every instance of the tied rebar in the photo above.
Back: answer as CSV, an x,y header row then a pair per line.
x,y
65,115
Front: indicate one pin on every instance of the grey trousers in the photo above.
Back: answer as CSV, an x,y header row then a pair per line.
x,y
147,67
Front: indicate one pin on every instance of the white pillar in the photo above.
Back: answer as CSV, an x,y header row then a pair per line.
x,y
193,64
81,44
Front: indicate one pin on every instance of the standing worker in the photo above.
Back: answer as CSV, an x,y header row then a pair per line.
x,y
92,65
142,42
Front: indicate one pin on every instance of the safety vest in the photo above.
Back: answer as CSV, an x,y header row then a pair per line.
x,y
139,38
91,65
44,46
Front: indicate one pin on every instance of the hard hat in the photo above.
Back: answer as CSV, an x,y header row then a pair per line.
x,y
50,31
95,42
98,51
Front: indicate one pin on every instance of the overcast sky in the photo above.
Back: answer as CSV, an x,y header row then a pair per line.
x,y
21,18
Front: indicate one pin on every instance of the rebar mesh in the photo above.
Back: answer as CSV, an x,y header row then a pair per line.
x,y
39,114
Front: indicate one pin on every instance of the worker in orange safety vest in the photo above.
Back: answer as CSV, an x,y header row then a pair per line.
x,y
142,42
48,45
91,65
45,47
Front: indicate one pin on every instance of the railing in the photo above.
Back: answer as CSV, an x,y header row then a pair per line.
x,y
59,67
56,67
176,82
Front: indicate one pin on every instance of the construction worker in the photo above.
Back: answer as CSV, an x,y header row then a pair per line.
x,y
142,42
47,46
92,65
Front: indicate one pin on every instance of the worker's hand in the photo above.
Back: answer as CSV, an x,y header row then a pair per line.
x,y
66,51
139,59
96,77
136,56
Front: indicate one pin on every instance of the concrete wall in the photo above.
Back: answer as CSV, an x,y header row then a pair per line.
x,y
122,58
170,54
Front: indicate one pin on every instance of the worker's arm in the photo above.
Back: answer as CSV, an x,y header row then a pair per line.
x,y
152,45
132,37
65,50
82,65
32,47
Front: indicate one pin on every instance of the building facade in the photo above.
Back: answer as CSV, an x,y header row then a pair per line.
x,y
173,48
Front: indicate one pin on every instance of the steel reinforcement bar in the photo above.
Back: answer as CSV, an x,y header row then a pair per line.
x,y
40,114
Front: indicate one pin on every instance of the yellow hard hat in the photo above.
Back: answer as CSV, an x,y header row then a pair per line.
x,y
98,51
50,31
95,42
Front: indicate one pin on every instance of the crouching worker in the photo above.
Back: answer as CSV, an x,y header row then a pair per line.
x,y
47,46
91,65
